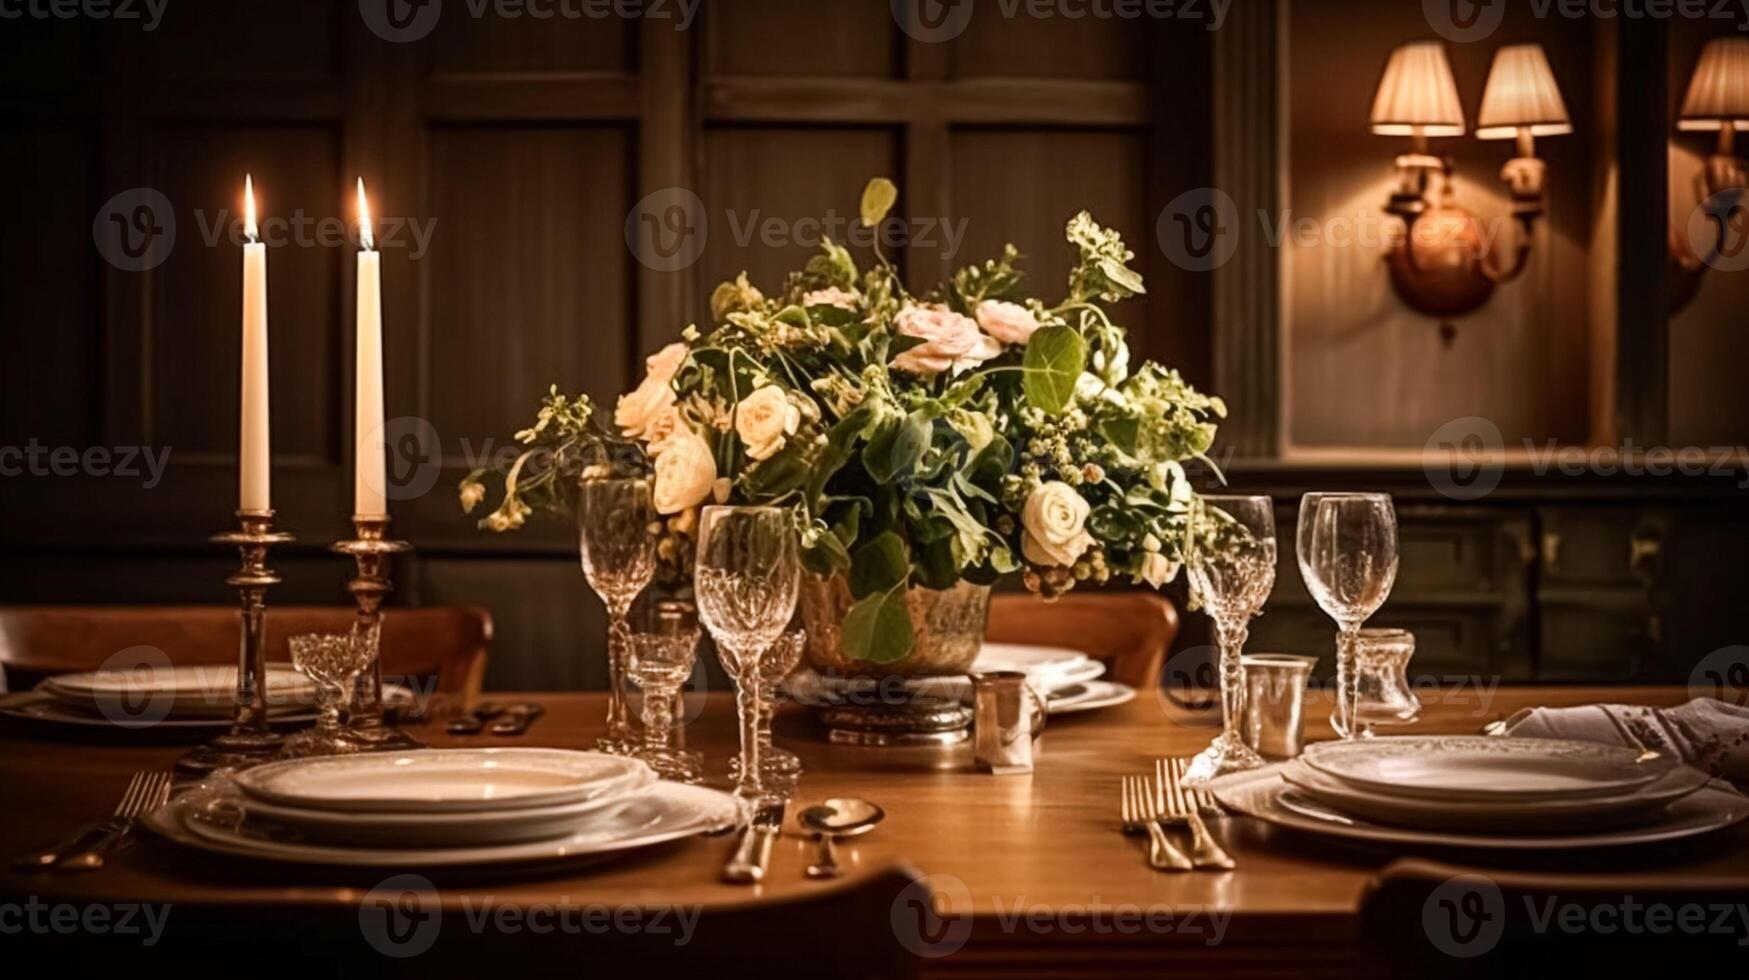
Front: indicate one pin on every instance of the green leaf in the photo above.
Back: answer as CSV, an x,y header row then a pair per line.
x,y
878,628
879,565
877,200
826,556
1122,432
777,476
1055,358
897,448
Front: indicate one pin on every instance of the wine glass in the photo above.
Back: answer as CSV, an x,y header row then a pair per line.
x,y
1232,570
661,661
777,766
1347,546
745,579
618,547
333,661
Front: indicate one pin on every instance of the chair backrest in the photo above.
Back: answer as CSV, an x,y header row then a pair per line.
x,y
1427,919
449,643
1129,631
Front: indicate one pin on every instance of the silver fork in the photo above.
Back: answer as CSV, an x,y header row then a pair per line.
x,y
1178,803
146,791
1136,812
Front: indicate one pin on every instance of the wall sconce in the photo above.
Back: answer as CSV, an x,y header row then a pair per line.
x,y
1441,267
1717,101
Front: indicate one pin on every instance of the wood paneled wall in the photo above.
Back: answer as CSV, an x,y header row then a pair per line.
x,y
523,145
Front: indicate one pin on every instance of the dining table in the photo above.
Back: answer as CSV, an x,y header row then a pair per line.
x,y
1030,870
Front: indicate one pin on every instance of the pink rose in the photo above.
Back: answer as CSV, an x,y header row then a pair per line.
x,y
951,341
650,401
831,296
1010,323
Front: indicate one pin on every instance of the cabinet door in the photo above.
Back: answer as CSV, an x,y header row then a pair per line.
x,y
1597,590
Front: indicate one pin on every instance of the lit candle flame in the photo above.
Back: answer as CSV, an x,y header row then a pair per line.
x,y
249,228
365,237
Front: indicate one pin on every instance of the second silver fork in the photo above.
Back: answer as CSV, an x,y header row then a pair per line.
x,y
1178,804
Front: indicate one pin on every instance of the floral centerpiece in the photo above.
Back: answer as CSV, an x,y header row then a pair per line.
x,y
927,442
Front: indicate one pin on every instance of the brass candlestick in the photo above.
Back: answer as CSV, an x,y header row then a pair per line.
x,y
250,739
370,548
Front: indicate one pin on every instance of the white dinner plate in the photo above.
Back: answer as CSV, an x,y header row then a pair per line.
x,y
445,828
1089,696
1640,805
669,811
1487,767
442,780
180,692
38,707
1262,793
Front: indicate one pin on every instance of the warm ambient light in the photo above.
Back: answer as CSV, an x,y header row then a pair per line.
x,y
365,238
1443,266
1718,93
249,228
1521,99
1417,96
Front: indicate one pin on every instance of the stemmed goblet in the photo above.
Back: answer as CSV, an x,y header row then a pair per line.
x,y
661,661
618,550
1232,570
1347,545
776,765
745,579
333,661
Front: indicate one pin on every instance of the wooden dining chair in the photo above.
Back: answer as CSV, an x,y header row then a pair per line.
x,y
448,643
1428,919
1129,631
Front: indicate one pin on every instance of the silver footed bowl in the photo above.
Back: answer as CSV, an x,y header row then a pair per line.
x,y
947,626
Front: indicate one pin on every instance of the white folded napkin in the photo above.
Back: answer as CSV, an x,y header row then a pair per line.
x,y
1708,734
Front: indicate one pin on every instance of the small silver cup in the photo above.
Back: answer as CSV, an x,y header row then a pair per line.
x,y
1007,714
1275,702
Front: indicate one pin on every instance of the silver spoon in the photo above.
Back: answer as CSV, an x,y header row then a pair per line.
x,y
833,819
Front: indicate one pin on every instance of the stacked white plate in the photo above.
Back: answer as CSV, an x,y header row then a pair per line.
x,y
442,807
1069,679
197,697
1485,791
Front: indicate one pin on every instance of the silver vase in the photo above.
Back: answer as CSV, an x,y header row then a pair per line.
x,y
947,626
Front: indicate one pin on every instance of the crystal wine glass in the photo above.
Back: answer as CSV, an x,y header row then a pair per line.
x,y
1232,570
1347,545
745,579
333,661
619,559
777,766
661,661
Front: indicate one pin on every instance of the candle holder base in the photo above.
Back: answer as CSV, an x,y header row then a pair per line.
x,y
250,740
371,549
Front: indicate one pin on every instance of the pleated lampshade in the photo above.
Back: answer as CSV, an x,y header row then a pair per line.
x,y
1521,94
1417,93
1718,93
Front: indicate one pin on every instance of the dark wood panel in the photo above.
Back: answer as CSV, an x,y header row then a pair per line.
x,y
993,43
50,342
192,330
759,183
462,43
803,37
550,629
236,37
1009,186
38,53
527,282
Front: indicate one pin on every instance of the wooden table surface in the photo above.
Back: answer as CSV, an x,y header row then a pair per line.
x,y
997,848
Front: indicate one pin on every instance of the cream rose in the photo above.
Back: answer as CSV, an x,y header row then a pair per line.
x,y
1010,323
1157,569
951,341
1055,519
830,296
662,430
654,396
764,420
685,473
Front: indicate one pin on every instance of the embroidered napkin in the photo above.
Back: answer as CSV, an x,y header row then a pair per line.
x,y
1708,734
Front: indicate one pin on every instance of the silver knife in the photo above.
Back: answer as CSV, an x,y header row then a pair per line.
x,y
753,853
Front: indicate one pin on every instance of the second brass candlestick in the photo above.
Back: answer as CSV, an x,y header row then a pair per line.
x,y
371,550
